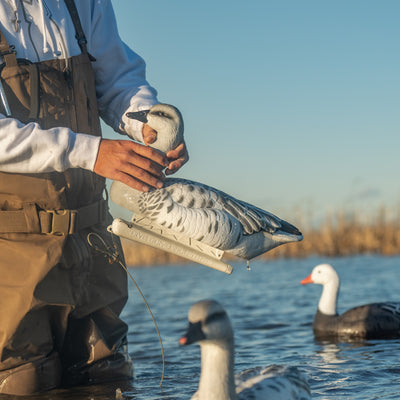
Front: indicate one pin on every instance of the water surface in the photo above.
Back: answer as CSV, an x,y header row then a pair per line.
x,y
271,315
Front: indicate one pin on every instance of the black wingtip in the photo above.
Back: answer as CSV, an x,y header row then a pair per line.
x,y
289,228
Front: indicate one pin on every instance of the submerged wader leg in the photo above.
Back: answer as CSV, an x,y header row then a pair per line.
x,y
30,362
95,350
36,376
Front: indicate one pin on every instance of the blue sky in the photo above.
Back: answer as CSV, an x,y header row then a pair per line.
x,y
289,105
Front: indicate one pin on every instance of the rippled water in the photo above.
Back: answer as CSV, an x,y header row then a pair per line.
x,y
271,315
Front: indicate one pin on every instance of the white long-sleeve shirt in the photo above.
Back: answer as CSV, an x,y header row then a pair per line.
x,y
42,30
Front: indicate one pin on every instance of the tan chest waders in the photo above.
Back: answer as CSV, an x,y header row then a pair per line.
x,y
59,299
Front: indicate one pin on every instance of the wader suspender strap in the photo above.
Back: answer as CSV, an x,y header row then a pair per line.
x,y
79,34
7,52
35,92
10,60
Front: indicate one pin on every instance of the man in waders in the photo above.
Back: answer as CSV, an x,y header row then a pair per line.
x,y
62,65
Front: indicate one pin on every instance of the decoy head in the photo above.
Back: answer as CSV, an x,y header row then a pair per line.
x,y
167,121
208,321
322,274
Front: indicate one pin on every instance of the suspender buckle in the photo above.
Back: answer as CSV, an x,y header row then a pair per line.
x,y
63,222
7,51
81,40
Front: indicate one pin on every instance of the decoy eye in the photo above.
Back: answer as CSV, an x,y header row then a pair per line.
x,y
215,317
162,114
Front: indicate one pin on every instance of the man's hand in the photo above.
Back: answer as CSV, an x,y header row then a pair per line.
x,y
177,158
138,166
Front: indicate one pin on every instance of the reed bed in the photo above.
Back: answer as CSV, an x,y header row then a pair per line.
x,y
339,234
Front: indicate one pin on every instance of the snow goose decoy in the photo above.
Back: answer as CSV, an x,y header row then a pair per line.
x,y
191,219
370,321
209,325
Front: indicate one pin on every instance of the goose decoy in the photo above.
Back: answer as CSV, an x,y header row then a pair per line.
x,y
370,321
210,327
192,219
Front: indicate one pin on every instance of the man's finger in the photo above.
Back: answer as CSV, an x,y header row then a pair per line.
x,y
178,152
149,135
150,153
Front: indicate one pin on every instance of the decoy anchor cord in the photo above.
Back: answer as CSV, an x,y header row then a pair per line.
x,y
113,256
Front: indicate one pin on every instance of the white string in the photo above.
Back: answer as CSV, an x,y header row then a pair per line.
x,y
45,46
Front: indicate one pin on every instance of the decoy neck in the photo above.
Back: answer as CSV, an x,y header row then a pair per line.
x,y
209,325
167,121
325,275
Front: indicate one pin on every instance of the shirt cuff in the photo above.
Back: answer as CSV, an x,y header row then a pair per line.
x,y
83,152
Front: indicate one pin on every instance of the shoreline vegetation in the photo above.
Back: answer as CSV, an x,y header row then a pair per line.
x,y
340,234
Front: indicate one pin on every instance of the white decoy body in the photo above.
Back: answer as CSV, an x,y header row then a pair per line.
x,y
209,325
369,321
198,211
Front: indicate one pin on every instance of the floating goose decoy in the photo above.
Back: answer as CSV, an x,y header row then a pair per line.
x,y
209,325
205,220
370,321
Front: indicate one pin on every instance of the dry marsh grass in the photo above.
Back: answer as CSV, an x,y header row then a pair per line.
x,y
340,234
